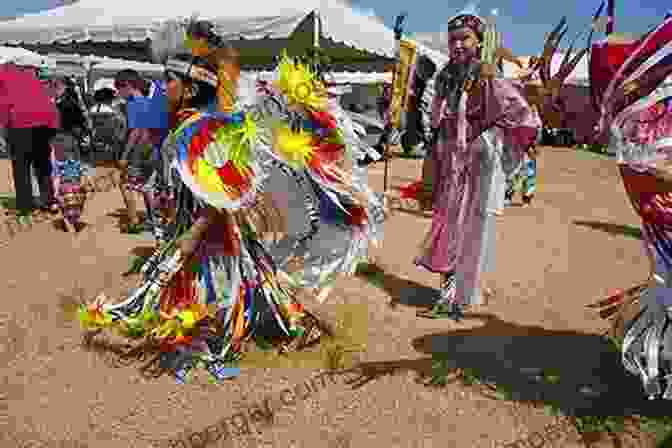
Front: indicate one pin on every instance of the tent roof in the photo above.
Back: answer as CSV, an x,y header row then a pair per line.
x,y
108,68
21,56
130,20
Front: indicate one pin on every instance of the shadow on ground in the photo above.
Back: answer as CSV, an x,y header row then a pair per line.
x,y
613,229
575,373
413,212
401,291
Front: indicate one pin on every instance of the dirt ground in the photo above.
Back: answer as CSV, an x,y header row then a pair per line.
x,y
570,248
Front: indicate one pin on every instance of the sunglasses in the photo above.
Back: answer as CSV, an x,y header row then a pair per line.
x,y
121,85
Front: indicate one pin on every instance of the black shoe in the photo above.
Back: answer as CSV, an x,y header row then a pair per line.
x,y
442,310
508,199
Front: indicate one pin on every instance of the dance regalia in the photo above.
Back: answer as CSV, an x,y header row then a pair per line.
x,y
310,166
421,190
202,310
628,84
474,128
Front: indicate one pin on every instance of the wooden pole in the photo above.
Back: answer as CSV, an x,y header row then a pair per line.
x,y
398,33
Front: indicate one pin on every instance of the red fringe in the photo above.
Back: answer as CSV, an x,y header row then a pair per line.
x,y
412,191
231,176
357,217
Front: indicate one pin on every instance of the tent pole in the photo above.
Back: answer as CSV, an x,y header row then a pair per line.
x,y
316,29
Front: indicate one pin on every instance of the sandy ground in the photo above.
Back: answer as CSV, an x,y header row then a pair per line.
x,y
569,249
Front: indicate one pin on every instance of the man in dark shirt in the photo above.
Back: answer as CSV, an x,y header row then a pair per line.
x,y
73,120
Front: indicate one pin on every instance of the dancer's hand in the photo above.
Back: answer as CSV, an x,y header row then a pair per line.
x,y
88,185
630,88
488,71
664,172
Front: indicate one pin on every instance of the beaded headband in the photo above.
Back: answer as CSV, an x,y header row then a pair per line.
x,y
474,23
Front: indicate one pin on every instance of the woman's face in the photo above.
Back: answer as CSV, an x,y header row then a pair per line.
x,y
463,45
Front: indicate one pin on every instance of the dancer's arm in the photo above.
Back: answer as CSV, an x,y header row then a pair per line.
x,y
507,109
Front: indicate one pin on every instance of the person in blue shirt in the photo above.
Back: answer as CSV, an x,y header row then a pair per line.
x,y
147,113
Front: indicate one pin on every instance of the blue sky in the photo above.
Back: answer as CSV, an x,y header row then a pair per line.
x,y
523,22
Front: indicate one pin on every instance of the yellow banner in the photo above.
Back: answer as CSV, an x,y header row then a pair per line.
x,y
407,53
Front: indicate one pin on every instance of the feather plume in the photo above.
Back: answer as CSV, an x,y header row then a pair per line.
x,y
550,47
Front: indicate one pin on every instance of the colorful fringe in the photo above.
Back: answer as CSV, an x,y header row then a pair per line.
x,y
200,311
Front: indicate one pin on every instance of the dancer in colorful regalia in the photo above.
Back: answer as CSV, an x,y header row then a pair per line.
x,y
632,91
214,285
475,117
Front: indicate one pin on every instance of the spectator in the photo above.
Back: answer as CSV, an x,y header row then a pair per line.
x,y
31,119
109,123
147,128
73,120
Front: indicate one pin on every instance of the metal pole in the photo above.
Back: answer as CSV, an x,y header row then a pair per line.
x,y
316,29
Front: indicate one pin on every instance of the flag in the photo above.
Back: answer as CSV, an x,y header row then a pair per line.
x,y
610,14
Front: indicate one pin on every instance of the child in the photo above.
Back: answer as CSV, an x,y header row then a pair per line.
x,y
70,181
528,173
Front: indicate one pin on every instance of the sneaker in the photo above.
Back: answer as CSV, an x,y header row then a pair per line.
x,y
508,200
443,310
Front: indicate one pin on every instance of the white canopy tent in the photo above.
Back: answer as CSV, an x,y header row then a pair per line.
x,y
21,56
109,69
129,21
579,77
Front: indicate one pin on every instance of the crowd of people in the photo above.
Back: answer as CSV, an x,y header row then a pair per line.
x,y
211,165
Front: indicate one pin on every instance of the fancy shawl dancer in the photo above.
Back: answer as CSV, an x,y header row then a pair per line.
x,y
475,117
631,89
310,146
214,285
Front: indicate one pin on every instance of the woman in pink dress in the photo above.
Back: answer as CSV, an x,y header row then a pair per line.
x,y
475,118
